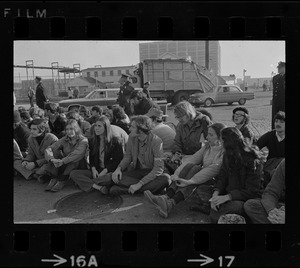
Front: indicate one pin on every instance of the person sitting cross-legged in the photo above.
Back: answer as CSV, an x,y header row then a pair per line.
x,y
65,155
271,207
201,168
105,154
34,164
143,155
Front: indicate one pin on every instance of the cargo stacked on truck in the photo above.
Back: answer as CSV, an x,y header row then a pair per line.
x,y
173,79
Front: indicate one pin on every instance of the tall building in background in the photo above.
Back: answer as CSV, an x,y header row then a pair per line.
x,y
183,49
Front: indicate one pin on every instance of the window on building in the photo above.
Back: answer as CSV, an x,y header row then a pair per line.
x,y
95,74
103,73
111,73
88,74
127,71
119,72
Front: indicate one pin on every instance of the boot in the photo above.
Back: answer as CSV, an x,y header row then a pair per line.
x,y
151,197
58,186
164,205
51,184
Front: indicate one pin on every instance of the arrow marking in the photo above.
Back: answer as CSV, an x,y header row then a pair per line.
x,y
205,261
58,261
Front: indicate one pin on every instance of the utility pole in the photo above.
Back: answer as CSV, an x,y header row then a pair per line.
x,y
207,55
244,71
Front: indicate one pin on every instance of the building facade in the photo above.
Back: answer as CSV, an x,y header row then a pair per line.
x,y
108,75
183,49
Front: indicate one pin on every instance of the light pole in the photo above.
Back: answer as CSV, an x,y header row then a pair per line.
x,y
244,71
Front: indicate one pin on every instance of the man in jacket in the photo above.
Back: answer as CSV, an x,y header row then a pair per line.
x,y
40,93
278,102
271,207
143,154
56,123
141,104
125,90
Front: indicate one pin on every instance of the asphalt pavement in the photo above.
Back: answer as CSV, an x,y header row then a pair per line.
x,y
33,205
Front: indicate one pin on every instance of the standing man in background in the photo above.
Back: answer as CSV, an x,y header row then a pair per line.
x,y
30,95
40,93
124,94
278,101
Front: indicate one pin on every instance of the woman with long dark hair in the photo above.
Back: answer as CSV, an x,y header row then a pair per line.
x,y
105,154
65,155
240,175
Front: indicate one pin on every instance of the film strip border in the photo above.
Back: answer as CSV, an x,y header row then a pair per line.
x,y
144,245
157,20
155,245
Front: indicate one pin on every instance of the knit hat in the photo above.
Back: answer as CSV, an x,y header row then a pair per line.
x,y
240,109
17,117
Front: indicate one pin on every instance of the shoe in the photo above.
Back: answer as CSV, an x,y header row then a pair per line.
x,y
151,197
43,178
102,189
58,186
32,176
164,205
51,184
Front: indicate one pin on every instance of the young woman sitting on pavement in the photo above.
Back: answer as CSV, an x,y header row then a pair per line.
x,y
105,154
142,166
191,132
34,164
65,155
239,176
201,168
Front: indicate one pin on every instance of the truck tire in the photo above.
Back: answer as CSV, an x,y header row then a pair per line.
x,y
180,96
242,101
208,102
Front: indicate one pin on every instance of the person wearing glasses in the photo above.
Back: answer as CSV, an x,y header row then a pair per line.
x,y
191,133
240,116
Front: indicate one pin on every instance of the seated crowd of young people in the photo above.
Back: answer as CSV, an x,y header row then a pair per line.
x,y
116,154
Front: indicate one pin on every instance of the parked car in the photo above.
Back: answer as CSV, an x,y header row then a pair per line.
x,y
221,94
102,97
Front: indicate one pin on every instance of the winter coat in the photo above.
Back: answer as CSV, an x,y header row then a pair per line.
x,y
21,135
242,181
144,106
112,155
70,152
187,139
152,156
209,158
36,152
40,96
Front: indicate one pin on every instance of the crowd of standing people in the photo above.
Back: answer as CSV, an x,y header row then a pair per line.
x,y
129,149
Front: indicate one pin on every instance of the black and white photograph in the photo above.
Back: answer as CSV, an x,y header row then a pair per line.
x,y
149,132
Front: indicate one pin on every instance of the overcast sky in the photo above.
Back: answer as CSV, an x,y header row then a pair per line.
x,y
259,58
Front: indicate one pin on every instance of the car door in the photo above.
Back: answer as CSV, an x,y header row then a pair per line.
x,y
235,94
112,96
222,94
